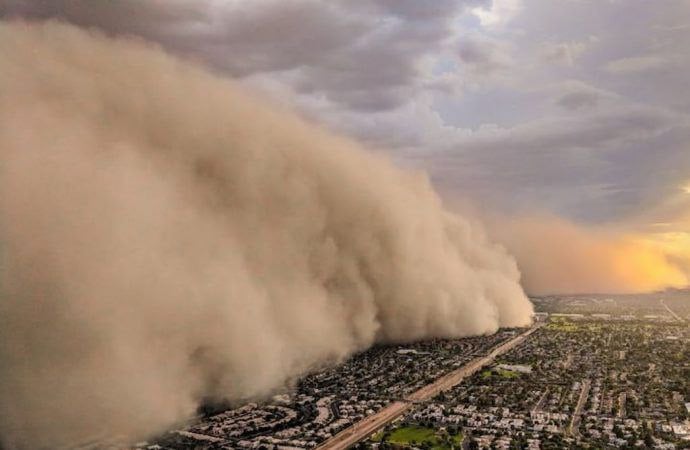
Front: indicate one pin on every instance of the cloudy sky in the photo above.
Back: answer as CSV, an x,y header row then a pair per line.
x,y
571,108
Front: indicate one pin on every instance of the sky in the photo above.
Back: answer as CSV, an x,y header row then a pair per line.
x,y
571,109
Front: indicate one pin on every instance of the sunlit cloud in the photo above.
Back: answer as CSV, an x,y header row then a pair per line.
x,y
500,12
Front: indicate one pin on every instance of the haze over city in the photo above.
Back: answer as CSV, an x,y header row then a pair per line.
x,y
218,218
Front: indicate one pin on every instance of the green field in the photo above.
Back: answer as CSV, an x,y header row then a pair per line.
x,y
562,325
416,435
508,373
500,372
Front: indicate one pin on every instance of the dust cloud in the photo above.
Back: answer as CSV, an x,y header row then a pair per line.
x,y
558,256
165,237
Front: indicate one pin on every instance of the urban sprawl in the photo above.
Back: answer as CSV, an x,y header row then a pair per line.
x,y
593,372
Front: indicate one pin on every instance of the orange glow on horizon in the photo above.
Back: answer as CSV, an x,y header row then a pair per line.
x,y
646,265
556,256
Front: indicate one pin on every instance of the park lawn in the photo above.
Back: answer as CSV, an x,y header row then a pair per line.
x,y
560,325
407,435
502,372
508,373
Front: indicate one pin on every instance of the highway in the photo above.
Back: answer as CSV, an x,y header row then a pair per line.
x,y
672,312
369,425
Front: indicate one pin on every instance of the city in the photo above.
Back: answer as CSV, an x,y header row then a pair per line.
x,y
594,372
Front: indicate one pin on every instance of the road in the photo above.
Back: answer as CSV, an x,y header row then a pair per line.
x,y
621,405
369,425
540,404
574,429
672,312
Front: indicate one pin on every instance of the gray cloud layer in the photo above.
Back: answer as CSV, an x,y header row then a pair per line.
x,y
359,54
430,78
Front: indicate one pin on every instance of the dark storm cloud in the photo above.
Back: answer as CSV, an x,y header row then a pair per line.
x,y
265,36
578,100
361,55
414,9
482,57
